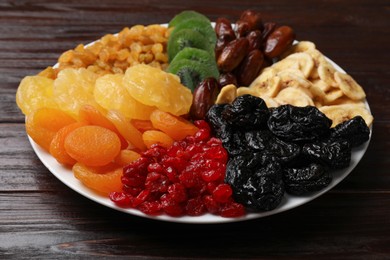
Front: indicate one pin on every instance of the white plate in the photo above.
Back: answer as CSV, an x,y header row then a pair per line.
x,y
65,175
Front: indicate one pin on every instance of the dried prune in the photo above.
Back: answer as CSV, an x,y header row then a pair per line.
x,y
257,186
265,144
219,126
272,146
336,154
311,178
233,142
354,130
298,124
247,112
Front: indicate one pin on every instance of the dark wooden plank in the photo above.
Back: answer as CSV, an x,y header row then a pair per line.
x,y
69,225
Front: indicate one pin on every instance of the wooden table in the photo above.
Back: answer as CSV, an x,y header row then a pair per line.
x,y
42,218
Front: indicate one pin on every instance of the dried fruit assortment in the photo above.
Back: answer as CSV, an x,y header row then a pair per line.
x,y
189,119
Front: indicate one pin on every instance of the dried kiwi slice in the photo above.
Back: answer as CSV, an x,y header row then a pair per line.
x,y
202,26
187,38
192,72
186,15
204,57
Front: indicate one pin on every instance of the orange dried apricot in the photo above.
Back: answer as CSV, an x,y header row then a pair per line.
x,y
151,137
93,116
176,127
127,130
92,145
126,156
142,125
103,179
43,124
57,148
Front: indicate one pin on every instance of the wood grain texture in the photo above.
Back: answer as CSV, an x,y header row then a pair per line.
x,y
41,218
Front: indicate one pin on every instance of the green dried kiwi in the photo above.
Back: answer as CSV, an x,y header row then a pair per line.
x,y
190,53
186,15
192,72
199,25
187,38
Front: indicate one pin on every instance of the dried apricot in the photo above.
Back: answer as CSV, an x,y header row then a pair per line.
x,y
151,137
93,116
126,156
155,87
127,130
110,93
92,145
103,179
57,148
142,125
35,92
176,127
43,124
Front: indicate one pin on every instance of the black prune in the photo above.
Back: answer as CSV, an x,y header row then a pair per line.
x,y
354,130
269,144
298,124
233,142
257,186
214,117
299,181
247,112
336,154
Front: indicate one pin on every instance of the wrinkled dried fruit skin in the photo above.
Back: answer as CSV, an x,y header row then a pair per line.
x,y
257,186
298,159
248,112
298,124
264,141
299,181
336,154
355,131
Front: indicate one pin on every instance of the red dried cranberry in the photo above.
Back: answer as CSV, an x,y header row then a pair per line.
x,y
177,192
195,207
142,196
186,178
170,206
202,135
156,182
121,199
222,193
150,207
212,206
232,210
155,167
